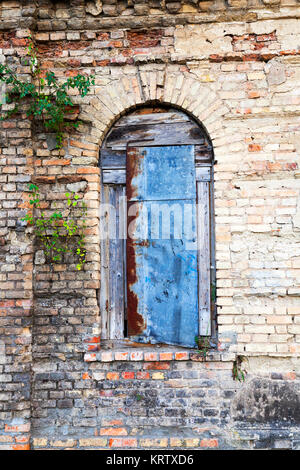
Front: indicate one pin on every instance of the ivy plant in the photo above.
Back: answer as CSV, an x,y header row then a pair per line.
x,y
48,99
238,371
56,232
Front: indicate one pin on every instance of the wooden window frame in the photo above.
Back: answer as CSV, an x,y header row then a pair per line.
x,y
113,166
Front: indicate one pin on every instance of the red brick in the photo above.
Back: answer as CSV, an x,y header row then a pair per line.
x,y
74,62
17,428
266,37
121,356
166,356
19,42
82,145
253,94
21,447
7,303
254,148
290,376
181,356
144,38
123,443
24,303
102,36
22,439
106,393
136,356
150,356
88,170
128,375
209,443
156,366
112,376
58,162
142,375
94,339
274,166
113,432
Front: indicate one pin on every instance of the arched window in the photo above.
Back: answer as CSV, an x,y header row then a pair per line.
x,y
156,229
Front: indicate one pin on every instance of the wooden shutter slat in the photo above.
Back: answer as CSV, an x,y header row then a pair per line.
x,y
203,225
113,159
187,133
152,118
112,290
114,176
203,173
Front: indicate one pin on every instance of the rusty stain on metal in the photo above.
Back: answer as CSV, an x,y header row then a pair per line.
x,y
136,323
144,243
133,168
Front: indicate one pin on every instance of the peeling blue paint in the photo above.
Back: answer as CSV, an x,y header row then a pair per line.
x,y
166,285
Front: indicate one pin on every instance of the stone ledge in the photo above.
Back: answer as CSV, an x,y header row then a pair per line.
x,y
154,356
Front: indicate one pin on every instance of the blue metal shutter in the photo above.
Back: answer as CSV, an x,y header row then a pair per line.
x,y
162,279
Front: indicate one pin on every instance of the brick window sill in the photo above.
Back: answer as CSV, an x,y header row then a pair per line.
x,y
153,355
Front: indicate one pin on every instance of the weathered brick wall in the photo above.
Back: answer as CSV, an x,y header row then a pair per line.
x,y
159,403
16,259
235,68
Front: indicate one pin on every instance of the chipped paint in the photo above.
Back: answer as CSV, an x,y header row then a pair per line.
x,y
162,295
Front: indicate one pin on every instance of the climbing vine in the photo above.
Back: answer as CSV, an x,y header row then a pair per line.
x,y
58,234
238,370
46,98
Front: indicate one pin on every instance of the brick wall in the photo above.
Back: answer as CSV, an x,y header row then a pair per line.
x,y
238,74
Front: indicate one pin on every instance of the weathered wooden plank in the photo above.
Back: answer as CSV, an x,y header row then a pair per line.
x,y
112,287
104,269
203,153
113,159
153,118
116,272
203,229
185,133
114,176
203,173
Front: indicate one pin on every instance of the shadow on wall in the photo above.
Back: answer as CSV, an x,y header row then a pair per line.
x,y
265,401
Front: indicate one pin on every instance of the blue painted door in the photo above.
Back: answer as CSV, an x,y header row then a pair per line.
x,y
162,280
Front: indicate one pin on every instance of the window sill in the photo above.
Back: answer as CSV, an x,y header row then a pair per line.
x,y
152,355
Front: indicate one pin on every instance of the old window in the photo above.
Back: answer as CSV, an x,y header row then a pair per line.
x,y
156,229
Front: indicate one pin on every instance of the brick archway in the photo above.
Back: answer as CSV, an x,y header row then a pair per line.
x,y
165,85
141,86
